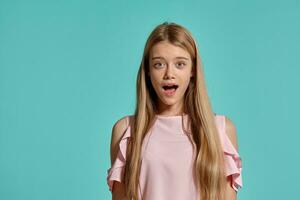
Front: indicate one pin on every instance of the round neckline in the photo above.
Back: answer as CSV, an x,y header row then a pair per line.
x,y
170,116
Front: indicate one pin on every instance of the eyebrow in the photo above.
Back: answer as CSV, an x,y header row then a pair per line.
x,y
159,57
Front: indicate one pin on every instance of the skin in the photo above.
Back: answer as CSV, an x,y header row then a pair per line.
x,y
166,66
169,63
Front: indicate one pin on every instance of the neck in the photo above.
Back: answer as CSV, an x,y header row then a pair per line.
x,y
171,110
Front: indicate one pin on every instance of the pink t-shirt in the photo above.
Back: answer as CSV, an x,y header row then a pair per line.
x,y
167,160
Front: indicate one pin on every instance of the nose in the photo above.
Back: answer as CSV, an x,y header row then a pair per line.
x,y
169,72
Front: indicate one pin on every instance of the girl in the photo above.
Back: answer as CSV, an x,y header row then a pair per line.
x,y
174,147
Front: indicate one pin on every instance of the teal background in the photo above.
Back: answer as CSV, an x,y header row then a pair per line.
x,y
68,71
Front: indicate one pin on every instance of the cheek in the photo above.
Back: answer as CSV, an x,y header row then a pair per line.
x,y
154,81
185,84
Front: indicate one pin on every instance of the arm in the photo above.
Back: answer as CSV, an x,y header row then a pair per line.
x,y
118,190
231,194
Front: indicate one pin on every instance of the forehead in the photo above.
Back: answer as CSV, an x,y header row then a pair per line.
x,y
168,51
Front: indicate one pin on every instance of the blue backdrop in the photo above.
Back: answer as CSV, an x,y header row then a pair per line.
x,y
68,71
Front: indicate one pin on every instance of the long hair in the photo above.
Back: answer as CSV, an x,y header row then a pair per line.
x,y
209,160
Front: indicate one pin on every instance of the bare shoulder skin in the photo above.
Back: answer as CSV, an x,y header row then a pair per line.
x,y
231,194
118,190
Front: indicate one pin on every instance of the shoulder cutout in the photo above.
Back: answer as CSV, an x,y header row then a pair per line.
x,y
233,160
120,135
118,131
231,132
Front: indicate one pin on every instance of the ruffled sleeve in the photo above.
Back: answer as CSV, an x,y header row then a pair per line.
x,y
116,171
233,161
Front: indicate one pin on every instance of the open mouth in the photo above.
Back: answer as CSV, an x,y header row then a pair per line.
x,y
170,87
169,90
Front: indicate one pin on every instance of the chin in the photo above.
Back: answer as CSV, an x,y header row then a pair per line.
x,y
170,102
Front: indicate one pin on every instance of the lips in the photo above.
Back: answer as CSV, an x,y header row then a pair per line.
x,y
169,86
169,89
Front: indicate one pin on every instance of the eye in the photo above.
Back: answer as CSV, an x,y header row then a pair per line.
x,y
157,65
181,64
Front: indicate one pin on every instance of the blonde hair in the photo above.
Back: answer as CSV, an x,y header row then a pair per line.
x,y
209,160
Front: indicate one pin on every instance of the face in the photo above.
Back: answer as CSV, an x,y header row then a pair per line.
x,y
170,70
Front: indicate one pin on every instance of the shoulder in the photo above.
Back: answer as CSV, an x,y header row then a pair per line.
x,y
230,130
120,126
118,130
